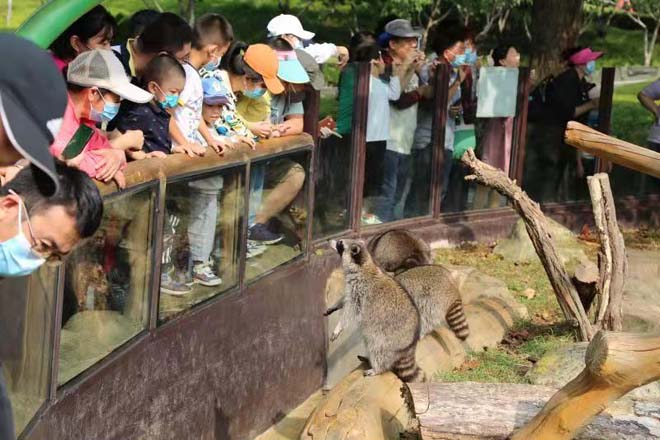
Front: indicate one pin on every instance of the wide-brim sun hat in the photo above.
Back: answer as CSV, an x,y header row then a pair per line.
x,y
262,59
584,56
101,68
290,69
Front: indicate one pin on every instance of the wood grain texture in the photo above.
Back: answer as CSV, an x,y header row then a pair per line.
x,y
612,149
616,363
480,411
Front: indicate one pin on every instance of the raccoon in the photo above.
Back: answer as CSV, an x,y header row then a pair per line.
x,y
434,291
398,249
383,310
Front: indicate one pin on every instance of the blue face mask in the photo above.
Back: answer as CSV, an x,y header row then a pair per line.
x,y
590,67
254,94
459,60
470,56
212,65
110,110
171,101
16,256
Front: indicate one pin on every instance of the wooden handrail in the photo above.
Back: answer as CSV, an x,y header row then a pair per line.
x,y
612,149
146,170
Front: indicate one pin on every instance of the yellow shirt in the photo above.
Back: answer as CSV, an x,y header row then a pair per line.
x,y
254,110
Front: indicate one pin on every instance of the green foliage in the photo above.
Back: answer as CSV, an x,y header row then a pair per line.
x,y
630,121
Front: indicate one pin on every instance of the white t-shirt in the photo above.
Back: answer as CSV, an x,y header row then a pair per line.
x,y
380,95
403,123
188,114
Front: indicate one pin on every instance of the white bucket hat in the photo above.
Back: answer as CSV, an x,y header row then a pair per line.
x,y
288,24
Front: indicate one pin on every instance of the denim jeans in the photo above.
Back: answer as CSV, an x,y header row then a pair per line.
x,y
6,416
447,166
396,169
257,175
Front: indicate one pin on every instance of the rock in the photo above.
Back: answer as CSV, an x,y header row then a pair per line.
x,y
528,293
641,294
555,369
518,247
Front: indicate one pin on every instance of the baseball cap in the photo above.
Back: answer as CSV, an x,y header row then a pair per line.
x,y
32,102
584,56
288,24
402,28
263,60
312,68
101,68
290,69
215,93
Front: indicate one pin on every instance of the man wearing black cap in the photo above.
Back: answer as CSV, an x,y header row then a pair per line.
x,y
32,102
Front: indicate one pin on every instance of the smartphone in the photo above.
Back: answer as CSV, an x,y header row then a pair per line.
x,y
77,143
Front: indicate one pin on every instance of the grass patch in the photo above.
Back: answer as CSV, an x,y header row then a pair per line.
x,y
329,106
517,276
521,348
630,121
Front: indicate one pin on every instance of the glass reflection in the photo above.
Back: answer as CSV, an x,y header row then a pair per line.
x,y
277,221
107,284
201,238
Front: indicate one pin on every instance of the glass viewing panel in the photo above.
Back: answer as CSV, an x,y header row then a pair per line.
x,y
485,123
397,173
201,238
107,284
632,122
333,157
277,219
27,308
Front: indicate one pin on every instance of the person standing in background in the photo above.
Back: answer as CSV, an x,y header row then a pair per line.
x,y
498,134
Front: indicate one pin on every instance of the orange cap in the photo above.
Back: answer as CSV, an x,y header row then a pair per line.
x,y
263,60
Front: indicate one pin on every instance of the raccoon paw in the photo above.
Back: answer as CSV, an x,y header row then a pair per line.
x,y
369,372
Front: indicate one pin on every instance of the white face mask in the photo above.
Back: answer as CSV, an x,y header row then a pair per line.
x,y
16,256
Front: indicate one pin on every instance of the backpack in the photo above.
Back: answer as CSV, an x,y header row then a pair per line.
x,y
539,99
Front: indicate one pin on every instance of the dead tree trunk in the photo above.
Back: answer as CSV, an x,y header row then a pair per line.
x,y
616,363
612,255
536,225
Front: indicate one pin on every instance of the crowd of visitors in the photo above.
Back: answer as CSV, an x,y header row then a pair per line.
x,y
83,110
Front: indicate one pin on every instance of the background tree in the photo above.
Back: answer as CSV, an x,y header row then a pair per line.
x,y
555,27
646,14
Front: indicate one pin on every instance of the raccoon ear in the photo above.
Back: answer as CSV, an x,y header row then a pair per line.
x,y
355,250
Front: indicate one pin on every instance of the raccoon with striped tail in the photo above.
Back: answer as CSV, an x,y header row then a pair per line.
x,y
436,295
383,310
397,250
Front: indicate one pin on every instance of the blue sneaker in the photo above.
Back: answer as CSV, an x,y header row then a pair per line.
x,y
260,233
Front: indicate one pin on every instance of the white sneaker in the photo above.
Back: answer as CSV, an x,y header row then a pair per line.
x,y
254,249
204,275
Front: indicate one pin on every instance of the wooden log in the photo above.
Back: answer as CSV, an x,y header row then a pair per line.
x,y
476,411
537,228
585,279
612,149
612,255
616,363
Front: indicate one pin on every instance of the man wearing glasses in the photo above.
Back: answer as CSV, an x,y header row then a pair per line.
x,y
45,208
